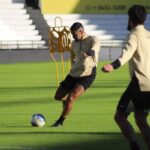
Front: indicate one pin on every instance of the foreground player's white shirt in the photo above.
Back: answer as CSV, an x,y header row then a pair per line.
x,y
137,50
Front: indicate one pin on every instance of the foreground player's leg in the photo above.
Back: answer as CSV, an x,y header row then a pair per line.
x,y
141,121
73,95
126,128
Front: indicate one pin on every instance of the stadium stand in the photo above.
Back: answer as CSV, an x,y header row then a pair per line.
x,y
110,28
21,27
17,30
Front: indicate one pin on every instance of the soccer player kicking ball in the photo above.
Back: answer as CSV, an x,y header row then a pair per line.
x,y
84,53
137,50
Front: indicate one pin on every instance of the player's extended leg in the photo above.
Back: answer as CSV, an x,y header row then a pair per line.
x,y
73,95
141,121
126,128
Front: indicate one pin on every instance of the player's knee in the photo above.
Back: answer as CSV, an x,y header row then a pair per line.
x,y
72,97
57,97
120,117
117,118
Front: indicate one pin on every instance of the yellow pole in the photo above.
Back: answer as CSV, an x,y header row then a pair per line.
x,y
60,44
62,64
56,65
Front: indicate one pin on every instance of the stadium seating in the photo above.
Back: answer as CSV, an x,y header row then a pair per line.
x,y
17,30
110,28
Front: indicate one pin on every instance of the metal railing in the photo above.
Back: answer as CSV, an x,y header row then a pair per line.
x,y
22,44
36,44
112,43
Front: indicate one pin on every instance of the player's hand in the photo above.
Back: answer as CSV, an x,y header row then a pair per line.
x,y
107,68
84,54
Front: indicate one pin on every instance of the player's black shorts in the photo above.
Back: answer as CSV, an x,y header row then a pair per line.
x,y
70,82
133,94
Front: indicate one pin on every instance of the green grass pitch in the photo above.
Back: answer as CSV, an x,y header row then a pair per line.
x,y
28,88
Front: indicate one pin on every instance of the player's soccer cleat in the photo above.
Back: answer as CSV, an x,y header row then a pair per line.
x,y
59,122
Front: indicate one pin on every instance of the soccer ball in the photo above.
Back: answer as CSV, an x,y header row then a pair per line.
x,y
38,120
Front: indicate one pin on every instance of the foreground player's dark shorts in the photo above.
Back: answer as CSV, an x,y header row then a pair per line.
x,y
133,94
70,82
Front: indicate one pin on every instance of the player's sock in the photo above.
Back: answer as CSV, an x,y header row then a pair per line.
x,y
134,146
59,122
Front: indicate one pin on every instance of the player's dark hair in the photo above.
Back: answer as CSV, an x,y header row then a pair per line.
x,y
137,14
76,26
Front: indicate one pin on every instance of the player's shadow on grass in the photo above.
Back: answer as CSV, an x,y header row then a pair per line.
x,y
26,101
92,141
77,140
110,84
28,88
101,95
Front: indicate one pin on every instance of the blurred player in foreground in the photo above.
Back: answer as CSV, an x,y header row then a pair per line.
x,y
137,50
84,56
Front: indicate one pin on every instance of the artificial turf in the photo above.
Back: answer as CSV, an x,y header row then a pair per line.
x,y
28,88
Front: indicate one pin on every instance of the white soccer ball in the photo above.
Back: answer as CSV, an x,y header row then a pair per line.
x,y
38,120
